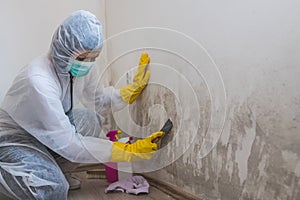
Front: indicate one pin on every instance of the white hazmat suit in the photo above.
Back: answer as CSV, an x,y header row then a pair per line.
x,y
33,119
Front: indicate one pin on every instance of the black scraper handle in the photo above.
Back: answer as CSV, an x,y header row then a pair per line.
x,y
166,129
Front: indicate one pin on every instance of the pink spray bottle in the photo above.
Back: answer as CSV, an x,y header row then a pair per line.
x,y
111,168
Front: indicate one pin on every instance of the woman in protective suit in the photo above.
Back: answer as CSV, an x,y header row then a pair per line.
x,y
41,135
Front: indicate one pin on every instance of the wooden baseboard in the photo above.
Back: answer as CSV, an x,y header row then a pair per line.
x,y
169,189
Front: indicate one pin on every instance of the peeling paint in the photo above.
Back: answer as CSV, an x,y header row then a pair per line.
x,y
290,159
262,166
244,165
229,162
297,169
255,48
244,148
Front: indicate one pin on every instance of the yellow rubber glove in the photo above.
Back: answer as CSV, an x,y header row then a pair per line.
x,y
140,150
130,93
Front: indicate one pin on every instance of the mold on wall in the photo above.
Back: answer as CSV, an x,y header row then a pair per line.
x,y
245,164
255,45
256,157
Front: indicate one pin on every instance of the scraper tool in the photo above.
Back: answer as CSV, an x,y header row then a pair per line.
x,y
166,129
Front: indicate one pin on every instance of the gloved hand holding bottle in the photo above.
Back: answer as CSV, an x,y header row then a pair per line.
x,y
140,150
130,93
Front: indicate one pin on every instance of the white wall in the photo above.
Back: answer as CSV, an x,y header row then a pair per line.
x,y
256,46
27,28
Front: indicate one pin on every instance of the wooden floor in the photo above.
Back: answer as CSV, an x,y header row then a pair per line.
x,y
93,189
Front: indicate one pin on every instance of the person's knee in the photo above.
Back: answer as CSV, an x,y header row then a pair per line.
x,y
39,177
58,191
32,187
61,192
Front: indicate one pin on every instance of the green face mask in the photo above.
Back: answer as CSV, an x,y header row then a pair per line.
x,y
79,68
